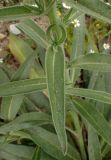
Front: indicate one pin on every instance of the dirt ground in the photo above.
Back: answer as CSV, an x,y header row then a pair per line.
x,y
4,34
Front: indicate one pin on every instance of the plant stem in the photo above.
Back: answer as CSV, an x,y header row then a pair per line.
x,y
79,133
54,19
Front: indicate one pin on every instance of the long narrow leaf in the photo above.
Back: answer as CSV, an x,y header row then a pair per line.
x,y
30,28
78,45
11,105
94,118
98,62
17,12
100,96
95,8
22,87
20,151
21,51
55,85
93,145
26,120
49,143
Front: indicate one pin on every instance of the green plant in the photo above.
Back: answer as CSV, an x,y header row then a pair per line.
x,y
44,115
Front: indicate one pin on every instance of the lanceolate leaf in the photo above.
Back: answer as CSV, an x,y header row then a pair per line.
x,y
17,12
95,8
55,85
94,118
96,82
30,28
19,151
24,70
22,87
21,51
49,143
37,154
11,105
45,156
33,116
94,150
78,45
90,94
4,77
26,120
98,62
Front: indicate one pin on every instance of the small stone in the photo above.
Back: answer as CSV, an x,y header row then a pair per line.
x,y
13,29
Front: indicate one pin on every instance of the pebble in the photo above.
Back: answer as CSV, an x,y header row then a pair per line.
x,y
13,29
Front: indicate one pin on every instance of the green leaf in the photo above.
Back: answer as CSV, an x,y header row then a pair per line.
x,y
94,145
55,84
37,153
3,76
78,131
11,105
22,87
19,48
94,118
19,151
94,150
78,45
39,99
33,116
95,8
21,51
49,143
30,28
8,156
45,156
26,120
24,69
17,12
70,15
100,96
98,62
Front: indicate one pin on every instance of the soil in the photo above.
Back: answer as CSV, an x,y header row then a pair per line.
x,y
4,40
